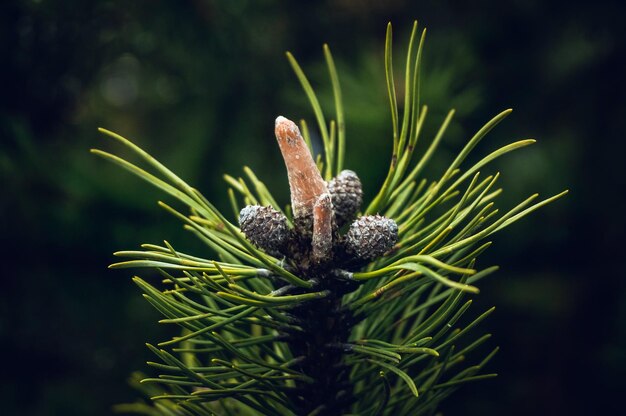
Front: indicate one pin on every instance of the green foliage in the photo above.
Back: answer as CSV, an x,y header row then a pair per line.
x,y
409,328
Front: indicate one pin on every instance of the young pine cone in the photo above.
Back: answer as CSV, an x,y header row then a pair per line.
x,y
347,196
265,227
371,236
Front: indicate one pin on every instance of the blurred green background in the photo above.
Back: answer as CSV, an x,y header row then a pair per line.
x,y
198,83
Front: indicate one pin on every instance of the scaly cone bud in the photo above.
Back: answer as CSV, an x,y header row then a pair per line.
x,y
264,227
371,236
347,194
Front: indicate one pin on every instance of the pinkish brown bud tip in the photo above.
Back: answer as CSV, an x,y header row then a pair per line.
x,y
322,241
305,182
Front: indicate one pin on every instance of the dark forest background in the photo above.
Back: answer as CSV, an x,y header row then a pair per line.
x,y
198,83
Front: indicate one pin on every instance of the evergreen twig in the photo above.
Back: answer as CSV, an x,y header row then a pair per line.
x,y
324,331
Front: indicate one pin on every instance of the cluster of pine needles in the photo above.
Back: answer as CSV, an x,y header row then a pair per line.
x,y
406,347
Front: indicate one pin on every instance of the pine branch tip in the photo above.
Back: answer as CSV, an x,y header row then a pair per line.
x,y
244,312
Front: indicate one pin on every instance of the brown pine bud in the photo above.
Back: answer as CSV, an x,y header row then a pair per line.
x,y
305,182
371,236
264,227
347,195
322,241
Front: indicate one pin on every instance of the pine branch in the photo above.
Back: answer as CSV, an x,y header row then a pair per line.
x,y
295,314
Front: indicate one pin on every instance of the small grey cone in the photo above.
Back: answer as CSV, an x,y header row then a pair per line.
x,y
371,236
264,227
347,195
